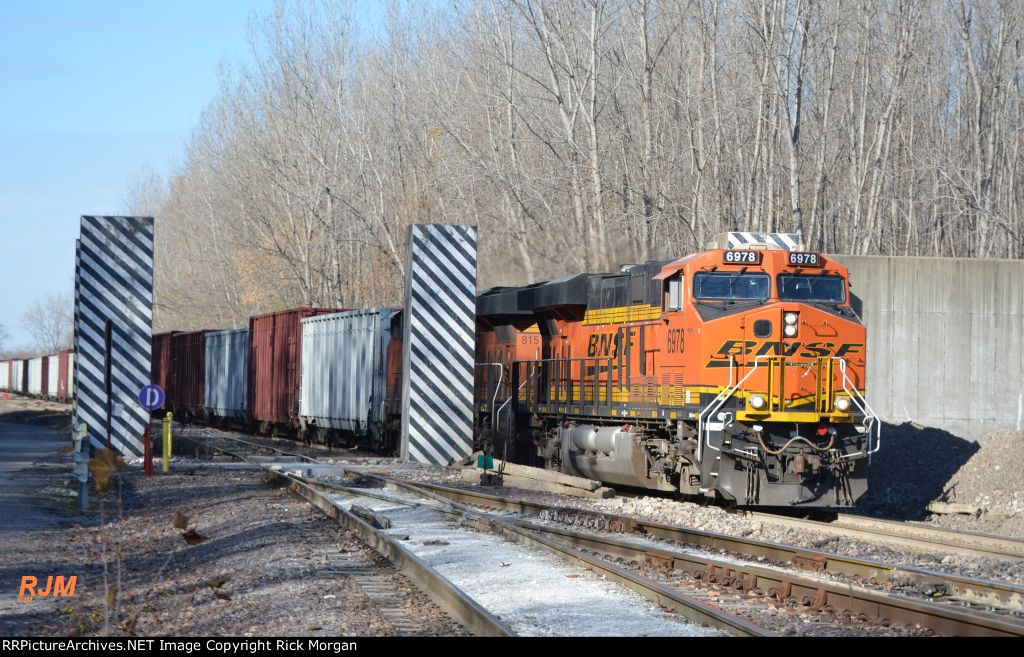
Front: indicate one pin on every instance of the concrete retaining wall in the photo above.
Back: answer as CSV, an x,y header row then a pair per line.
x,y
944,340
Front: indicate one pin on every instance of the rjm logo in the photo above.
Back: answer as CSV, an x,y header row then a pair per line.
x,y
56,587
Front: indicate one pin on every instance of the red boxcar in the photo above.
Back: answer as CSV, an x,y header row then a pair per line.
x,y
163,364
64,374
275,349
187,396
44,378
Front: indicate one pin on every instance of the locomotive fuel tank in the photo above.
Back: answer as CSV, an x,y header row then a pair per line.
x,y
612,454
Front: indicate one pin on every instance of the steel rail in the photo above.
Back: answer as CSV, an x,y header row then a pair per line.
x,y
840,598
835,597
464,609
947,586
667,597
938,614
936,538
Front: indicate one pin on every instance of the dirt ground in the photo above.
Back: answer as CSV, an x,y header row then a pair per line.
x,y
264,562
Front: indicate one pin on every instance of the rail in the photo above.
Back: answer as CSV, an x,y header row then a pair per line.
x,y
960,604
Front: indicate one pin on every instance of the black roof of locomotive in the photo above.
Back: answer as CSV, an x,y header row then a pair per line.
x,y
599,290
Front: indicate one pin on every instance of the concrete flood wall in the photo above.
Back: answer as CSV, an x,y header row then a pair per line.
x,y
944,340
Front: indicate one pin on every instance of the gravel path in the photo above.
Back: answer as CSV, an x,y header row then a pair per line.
x,y
266,564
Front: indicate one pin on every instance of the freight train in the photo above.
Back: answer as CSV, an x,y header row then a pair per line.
x,y
733,373
44,377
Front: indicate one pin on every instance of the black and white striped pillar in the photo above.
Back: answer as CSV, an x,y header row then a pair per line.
x,y
439,343
113,329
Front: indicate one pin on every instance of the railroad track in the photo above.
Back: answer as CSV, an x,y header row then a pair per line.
x,y
993,607
919,537
860,589
889,532
688,614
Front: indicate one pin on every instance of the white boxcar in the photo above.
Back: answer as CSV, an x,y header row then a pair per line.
x,y
72,375
35,376
18,380
5,375
344,372
52,376
227,373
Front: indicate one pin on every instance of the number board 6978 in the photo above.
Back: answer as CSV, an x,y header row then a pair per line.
x,y
803,259
741,257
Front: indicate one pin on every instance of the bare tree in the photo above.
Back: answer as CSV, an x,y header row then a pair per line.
x,y
580,134
50,322
5,335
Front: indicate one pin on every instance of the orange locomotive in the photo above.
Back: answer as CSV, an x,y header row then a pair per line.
x,y
736,373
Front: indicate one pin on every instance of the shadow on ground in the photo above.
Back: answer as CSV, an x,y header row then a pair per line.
x,y
912,469
51,419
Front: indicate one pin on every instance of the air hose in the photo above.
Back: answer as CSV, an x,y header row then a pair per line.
x,y
831,440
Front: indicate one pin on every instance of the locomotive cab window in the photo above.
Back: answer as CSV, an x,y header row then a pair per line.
x,y
674,294
813,287
726,285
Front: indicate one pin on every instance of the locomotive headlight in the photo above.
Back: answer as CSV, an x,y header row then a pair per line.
x,y
842,404
757,402
790,318
790,330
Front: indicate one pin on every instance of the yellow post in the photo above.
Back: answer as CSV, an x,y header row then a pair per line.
x,y
168,419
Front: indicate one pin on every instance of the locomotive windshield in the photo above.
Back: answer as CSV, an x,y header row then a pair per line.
x,y
815,288
725,285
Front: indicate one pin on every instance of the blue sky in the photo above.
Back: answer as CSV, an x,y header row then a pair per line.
x,y
90,94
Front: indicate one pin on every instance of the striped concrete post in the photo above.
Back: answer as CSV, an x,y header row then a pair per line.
x,y
439,343
113,329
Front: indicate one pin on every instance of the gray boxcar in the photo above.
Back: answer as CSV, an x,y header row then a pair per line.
x,y
344,374
227,373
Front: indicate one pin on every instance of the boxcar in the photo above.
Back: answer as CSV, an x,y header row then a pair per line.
x,y
35,377
275,345
19,376
344,376
186,395
66,375
163,364
227,373
51,373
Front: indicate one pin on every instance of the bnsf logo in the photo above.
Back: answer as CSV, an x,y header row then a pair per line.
x,y
801,349
608,345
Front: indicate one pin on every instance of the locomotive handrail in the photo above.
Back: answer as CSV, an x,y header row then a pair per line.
x,y
511,397
871,419
718,402
497,389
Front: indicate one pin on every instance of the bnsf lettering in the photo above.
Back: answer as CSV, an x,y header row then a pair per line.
x,y
608,345
736,347
804,350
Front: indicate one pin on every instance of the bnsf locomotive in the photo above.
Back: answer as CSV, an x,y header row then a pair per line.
x,y
736,373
